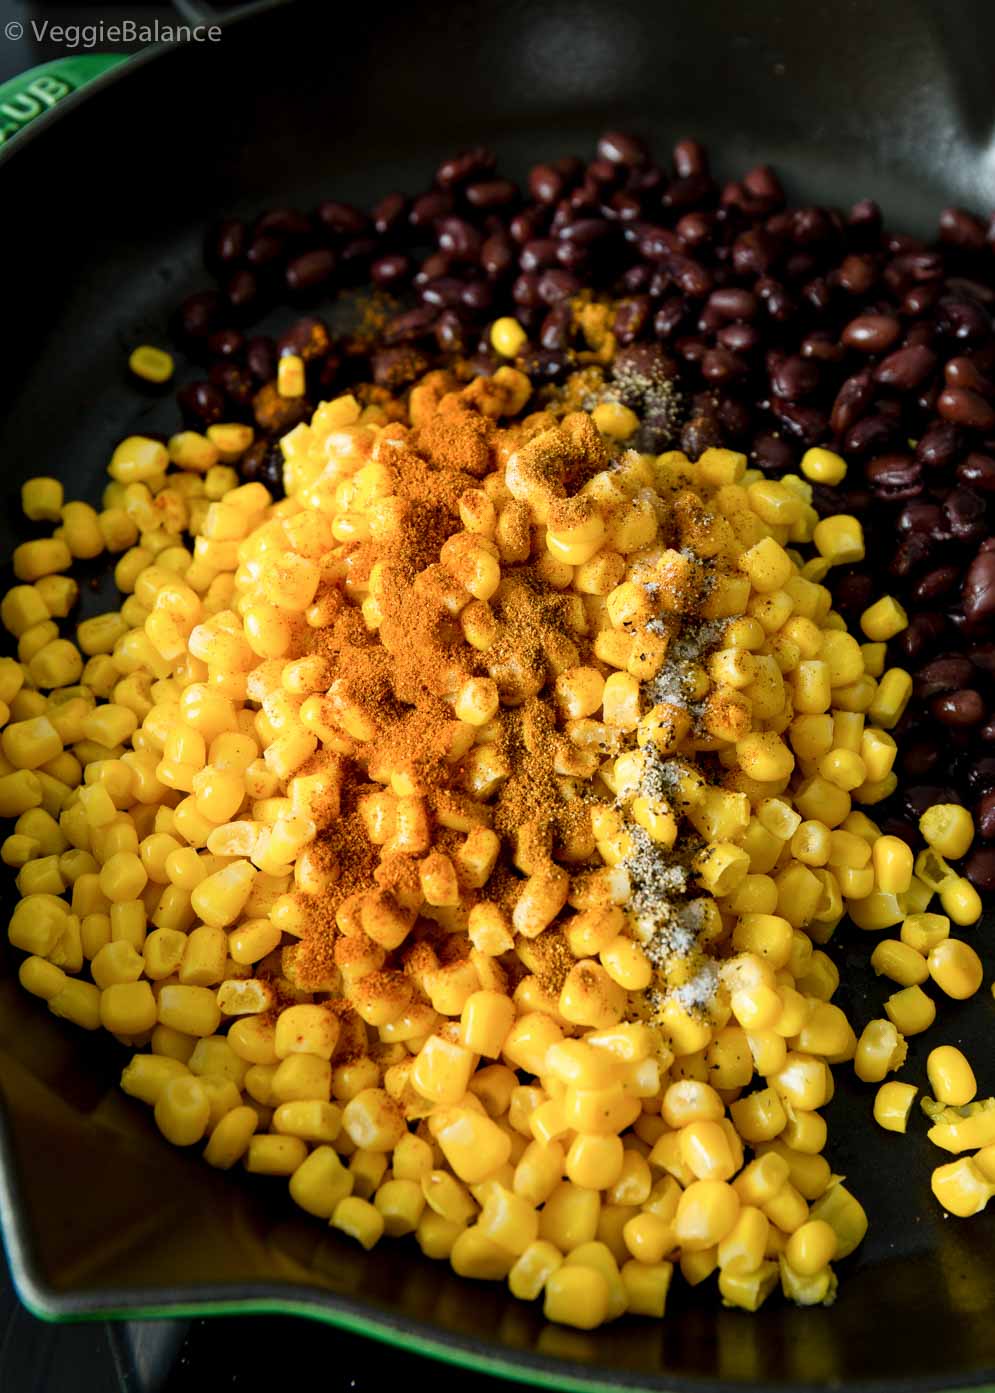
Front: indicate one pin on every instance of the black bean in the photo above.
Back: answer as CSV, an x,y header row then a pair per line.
x,y
201,402
870,436
546,364
906,368
284,222
573,257
922,796
434,266
621,148
200,314
468,164
692,348
690,158
822,346
555,331
853,592
740,338
857,273
689,192
226,343
389,214
696,230
586,231
939,446
872,333
965,408
226,243
342,219
260,357
959,228
984,818
477,296
236,382
393,269
981,775
443,292
546,184
919,758
497,255
894,476
795,379
242,290
965,515
459,238
960,318
935,583
730,302
631,318
698,434
772,454
538,254
450,332
554,286
396,367
491,193
527,225
808,424
980,868
310,270
410,325
754,253
921,517
978,593
635,279
719,367
764,184
428,208
963,708
525,291
852,401
909,555
307,337
962,372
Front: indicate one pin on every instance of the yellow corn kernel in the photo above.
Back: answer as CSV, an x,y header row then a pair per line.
x,y
955,968
884,619
706,1213
961,901
899,962
823,466
577,1296
911,1011
951,1076
270,1155
948,828
182,1110
924,931
892,1105
150,364
891,698
508,337
839,539
892,861
962,1187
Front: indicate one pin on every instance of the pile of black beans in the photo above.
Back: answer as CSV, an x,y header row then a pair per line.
x,y
786,327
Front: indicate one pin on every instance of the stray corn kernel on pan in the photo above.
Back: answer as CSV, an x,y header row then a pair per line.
x,y
452,830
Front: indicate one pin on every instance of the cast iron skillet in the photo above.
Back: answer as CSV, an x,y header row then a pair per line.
x,y
102,220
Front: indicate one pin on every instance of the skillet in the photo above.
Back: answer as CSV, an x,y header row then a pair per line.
x,y
104,202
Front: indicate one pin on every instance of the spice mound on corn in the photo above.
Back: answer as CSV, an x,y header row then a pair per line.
x,y
457,837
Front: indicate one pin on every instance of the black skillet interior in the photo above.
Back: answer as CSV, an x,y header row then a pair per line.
x,y
102,212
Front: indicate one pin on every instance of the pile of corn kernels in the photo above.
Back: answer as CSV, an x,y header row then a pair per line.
x,y
170,765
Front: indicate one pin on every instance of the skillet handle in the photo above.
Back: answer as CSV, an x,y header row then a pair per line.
x,y
30,94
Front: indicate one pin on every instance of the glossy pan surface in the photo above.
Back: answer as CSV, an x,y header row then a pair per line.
x,y
103,208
